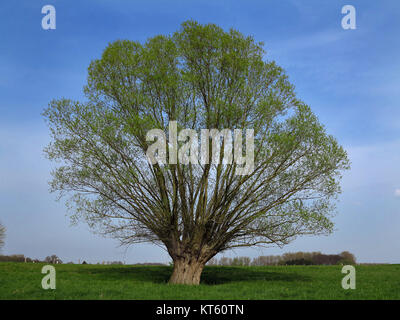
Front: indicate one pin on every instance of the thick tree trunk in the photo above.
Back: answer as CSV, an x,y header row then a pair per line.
x,y
186,271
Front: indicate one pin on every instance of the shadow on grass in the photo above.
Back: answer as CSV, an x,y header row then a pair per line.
x,y
220,275
210,276
156,274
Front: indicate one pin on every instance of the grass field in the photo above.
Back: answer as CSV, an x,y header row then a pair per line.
x,y
23,281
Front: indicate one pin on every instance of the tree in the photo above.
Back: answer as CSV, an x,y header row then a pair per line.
x,y
203,78
2,235
347,258
53,259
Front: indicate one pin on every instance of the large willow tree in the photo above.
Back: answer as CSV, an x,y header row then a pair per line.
x,y
203,78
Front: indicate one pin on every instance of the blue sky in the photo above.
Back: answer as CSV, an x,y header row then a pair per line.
x,y
350,78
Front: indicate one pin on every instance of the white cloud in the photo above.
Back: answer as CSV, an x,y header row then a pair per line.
x,y
397,192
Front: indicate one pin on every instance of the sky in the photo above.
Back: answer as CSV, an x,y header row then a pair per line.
x,y
350,78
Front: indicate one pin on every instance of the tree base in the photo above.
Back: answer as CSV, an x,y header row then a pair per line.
x,y
186,272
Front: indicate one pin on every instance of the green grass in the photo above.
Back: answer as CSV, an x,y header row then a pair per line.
x,y
23,281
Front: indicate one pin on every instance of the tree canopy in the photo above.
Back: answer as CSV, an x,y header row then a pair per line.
x,y
201,77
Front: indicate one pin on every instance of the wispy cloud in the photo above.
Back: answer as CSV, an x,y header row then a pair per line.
x,y
310,41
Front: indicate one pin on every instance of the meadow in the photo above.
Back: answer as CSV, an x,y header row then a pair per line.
x,y
23,281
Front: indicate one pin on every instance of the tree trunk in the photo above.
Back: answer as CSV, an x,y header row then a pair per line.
x,y
186,271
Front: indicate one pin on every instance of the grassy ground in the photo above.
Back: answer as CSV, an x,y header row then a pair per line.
x,y
23,281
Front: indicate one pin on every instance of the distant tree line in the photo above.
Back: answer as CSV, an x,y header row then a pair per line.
x,y
53,259
294,258
17,258
111,262
2,235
